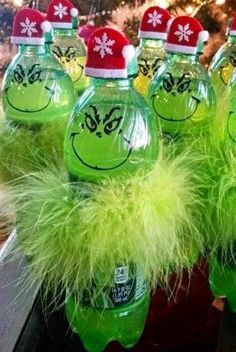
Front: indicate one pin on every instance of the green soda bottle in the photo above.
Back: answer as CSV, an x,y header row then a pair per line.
x,y
67,46
222,275
224,62
35,86
181,95
111,133
150,53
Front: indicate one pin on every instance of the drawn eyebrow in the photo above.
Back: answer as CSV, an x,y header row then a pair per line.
x,y
21,69
145,61
59,51
68,50
32,69
109,114
184,76
96,114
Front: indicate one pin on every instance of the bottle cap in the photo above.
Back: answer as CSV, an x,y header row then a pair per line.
x,y
154,23
62,14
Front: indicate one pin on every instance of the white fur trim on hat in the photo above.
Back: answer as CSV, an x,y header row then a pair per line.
x,y
180,48
152,35
27,40
203,36
74,12
105,73
46,26
128,52
62,25
232,32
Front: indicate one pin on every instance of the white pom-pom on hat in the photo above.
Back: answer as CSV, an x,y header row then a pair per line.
x,y
169,24
46,26
74,12
203,36
128,52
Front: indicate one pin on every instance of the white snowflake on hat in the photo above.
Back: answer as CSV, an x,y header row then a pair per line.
x,y
103,46
60,10
28,27
154,18
184,32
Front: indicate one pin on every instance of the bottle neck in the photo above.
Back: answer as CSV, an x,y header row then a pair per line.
x,y
155,43
33,49
63,32
113,83
232,39
171,57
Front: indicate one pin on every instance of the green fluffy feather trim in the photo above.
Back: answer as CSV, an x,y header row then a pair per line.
x,y
76,234
25,149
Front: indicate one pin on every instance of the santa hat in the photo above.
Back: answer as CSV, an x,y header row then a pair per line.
x,y
29,27
61,13
184,35
109,53
154,23
232,29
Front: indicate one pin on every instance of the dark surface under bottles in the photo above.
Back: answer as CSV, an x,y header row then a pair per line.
x,y
187,322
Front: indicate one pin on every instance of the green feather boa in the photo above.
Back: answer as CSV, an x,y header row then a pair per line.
x,y
75,234
24,150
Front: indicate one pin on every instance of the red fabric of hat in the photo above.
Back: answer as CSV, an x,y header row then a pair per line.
x,y
154,23
60,13
232,30
184,35
109,53
29,27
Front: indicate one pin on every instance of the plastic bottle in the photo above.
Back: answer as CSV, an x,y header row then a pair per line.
x,y
150,53
181,95
224,62
67,47
36,89
111,134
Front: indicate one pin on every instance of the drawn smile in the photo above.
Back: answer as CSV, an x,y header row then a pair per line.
x,y
228,127
27,110
96,167
170,119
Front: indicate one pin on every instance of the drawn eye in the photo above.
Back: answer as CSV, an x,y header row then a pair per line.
x,y
56,53
19,77
112,125
156,66
35,76
167,84
90,123
182,87
232,59
70,56
143,69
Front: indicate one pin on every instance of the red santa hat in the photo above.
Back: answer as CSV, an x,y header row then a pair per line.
x,y
184,34
61,13
29,27
232,29
154,23
108,55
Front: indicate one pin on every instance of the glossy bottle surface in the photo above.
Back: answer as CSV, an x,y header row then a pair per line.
x,y
36,89
111,133
119,314
222,278
150,56
181,96
69,49
222,66
229,113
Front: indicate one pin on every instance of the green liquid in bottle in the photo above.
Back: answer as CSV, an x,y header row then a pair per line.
x,y
35,88
111,134
71,52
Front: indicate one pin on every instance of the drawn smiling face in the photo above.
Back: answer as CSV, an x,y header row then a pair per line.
x,y
173,100
71,61
227,69
101,143
27,91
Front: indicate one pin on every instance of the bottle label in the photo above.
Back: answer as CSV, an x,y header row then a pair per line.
x,y
127,287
